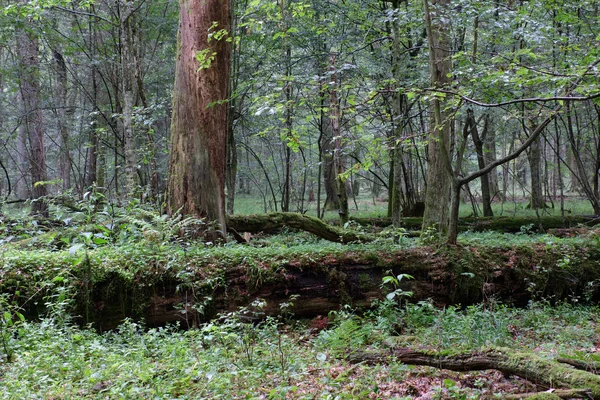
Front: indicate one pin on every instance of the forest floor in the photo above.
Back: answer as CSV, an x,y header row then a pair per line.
x,y
276,359
245,353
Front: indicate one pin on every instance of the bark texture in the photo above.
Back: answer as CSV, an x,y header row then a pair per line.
x,y
439,173
199,123
32,119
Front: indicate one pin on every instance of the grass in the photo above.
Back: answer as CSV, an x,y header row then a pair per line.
x,y
229,359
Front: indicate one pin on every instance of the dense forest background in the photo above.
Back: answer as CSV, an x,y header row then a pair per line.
x,y
331,103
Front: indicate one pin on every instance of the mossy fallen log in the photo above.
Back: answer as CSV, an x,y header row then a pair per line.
x,y
161,284
528,366
501,224
273,222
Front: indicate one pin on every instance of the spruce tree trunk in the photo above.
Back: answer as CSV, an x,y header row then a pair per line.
x,y
199,122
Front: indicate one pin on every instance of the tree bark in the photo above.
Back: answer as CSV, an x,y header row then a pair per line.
x,y
127,88
485,181
198,155
534,156
439,173
64,157
32,120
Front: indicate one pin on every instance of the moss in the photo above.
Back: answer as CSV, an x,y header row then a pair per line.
x,y
544,396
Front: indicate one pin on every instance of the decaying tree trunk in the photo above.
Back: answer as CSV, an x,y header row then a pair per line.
x,y
199,124
276,221
525,365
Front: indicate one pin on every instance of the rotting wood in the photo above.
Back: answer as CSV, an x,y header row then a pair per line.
x,y
273,222
528,366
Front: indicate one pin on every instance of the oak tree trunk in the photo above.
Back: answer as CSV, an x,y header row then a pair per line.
x,y
199,121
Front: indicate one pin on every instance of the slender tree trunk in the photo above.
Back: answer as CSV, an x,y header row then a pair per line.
x,y
22,182
235,104
439,173
534,156
127,88
489,155
199,123
338,158
64,157
27,50
485,183
582,176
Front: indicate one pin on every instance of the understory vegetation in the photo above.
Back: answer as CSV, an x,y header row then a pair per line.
x,y
279,358
58,276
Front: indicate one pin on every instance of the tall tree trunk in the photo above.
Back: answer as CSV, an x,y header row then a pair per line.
x,y
27,50
235,104
439,173
339,161
199,123
127,87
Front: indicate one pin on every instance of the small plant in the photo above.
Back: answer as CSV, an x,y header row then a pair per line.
x,y
397,292
10,320
430,236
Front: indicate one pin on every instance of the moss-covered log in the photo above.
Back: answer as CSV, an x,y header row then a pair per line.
x,y
274,222
160,284
501,224
525,365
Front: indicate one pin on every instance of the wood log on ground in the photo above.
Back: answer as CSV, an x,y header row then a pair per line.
x,y
500,224
590,366
551,394
528,366
167,284
274,222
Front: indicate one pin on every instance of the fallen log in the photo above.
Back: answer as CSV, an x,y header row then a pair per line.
x,y
551,394
273,222
161,284
590,366
501,224
528,366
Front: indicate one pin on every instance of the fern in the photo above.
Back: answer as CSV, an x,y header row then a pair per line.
x,y
162,228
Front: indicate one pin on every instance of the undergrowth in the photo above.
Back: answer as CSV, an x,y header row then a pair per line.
x,y
269,358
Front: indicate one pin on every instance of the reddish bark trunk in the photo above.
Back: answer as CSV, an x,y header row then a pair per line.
x,y
199,125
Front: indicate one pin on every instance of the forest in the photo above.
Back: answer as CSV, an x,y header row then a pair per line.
x,y
299,199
